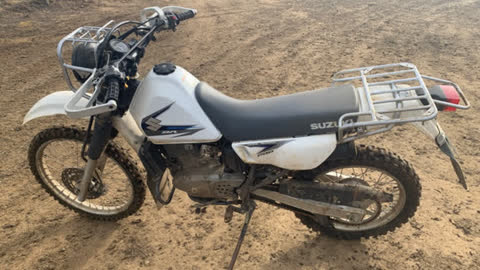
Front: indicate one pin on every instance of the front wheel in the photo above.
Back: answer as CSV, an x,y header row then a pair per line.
x,y
55,160
378,169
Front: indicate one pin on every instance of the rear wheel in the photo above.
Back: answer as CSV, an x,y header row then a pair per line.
x,y
55,160
378,169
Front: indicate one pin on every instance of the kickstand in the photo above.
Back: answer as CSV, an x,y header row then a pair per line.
x,y
248,216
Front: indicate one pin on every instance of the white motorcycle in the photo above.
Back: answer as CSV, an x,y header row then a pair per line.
x,y
295,151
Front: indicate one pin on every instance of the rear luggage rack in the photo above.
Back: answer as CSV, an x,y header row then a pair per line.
x,y
389,95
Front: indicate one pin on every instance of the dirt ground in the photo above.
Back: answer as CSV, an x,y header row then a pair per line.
x,y
247,49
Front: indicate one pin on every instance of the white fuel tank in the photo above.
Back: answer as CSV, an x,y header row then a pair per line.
x,y
167,112
299,153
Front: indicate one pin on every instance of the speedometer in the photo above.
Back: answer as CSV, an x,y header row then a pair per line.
x,y
119,46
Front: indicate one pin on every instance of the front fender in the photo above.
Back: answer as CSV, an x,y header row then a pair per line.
x,y
52,104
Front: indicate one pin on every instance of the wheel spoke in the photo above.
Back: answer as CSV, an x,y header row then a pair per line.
x,y
364,173
370,176
378,180
57,155
386,173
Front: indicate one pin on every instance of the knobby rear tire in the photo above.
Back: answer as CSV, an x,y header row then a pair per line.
x,y
112,150
381,159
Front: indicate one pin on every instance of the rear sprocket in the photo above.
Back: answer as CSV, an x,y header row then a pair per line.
x,y
406,200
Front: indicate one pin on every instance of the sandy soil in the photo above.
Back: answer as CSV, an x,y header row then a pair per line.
x,y
248,49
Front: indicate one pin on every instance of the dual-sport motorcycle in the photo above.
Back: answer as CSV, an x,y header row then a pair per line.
x,y
296,152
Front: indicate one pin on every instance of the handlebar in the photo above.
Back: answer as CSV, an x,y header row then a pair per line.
x,y
186,15
163,19
180,12
152,20
113,89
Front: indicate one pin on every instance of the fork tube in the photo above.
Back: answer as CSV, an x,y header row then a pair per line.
x,y
101,135
86,179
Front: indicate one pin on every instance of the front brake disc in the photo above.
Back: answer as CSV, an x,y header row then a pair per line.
x,y
71,178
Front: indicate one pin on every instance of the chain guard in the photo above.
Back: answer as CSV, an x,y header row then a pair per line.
x,y
346,192
353,192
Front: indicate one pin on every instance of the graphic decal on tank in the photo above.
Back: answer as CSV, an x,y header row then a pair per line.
x,y
152,127
268,148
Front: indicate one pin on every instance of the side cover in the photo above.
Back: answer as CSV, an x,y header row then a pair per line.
x,y
299,153
166,110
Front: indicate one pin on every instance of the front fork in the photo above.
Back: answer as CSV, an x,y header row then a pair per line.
x,y
102,133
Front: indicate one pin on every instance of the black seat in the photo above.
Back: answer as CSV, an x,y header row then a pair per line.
x,y
277,117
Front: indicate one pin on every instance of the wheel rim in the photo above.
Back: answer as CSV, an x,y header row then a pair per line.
x,y
56,156
378,179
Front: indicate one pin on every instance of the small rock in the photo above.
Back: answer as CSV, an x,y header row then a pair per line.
x,y
136,221
418,254
9,226
416,225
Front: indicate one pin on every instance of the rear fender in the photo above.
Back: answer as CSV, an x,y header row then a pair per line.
x,y
433,130
53,104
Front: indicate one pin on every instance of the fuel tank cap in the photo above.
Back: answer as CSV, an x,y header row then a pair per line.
x,y
164,68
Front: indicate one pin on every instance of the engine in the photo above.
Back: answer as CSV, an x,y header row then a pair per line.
x,y
203,171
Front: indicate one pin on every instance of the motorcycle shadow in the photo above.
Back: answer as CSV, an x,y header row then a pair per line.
x,y
70,239
86,239
322,252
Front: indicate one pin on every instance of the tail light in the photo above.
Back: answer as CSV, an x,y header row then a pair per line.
x,y
445,93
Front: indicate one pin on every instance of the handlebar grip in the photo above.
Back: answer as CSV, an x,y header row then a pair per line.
x,y
113,90
186,15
